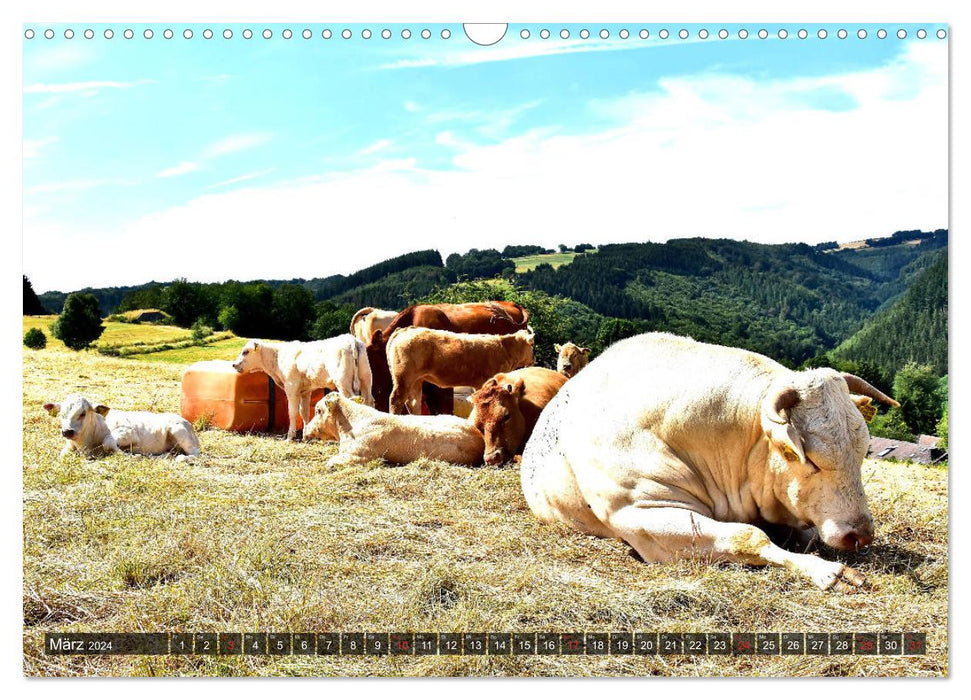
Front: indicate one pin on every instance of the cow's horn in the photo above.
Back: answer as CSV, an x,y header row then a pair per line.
x,y
777,406
864,388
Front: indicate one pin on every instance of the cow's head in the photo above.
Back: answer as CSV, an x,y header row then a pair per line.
x,y
380,372
249,359
818,438
571,359
323,425
496,414
79,418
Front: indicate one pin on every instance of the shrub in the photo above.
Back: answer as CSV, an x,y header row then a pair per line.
x,y
200,330
942,430
35,339
891,425
79,324
917,389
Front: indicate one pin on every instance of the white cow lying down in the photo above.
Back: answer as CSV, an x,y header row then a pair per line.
x,y
366,433
97,430
298,368
682,448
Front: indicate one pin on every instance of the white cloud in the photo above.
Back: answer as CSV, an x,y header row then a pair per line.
x,y
33,147
702,155
241,178
379,145
410,106
531,48
235,143
86,88
182,168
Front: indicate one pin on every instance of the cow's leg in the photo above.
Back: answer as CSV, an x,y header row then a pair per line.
x,y
401,398
110,445
305,414
293,410
667,534
185,439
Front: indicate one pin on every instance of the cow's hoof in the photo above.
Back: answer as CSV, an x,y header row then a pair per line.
x,y
842,579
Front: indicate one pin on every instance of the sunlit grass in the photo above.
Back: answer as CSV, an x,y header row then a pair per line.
x,y
260,535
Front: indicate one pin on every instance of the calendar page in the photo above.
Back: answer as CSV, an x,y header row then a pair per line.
x,y
442,349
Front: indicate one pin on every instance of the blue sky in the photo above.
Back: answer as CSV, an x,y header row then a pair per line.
x,y
280,158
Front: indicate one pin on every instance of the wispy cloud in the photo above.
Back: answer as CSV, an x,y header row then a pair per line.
x,y
182,168
33,147
410,106
87,86
379,145
235,143
241,178
528,48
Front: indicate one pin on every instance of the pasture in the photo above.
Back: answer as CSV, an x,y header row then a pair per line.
x,y
529,262
260,535
115,333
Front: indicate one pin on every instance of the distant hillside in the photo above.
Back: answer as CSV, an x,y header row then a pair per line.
x,y
791,302
912,329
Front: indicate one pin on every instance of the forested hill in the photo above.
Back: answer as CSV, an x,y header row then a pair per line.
x,y
913,329
787,301
792,302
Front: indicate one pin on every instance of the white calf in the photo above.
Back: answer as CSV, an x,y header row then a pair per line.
x,y
298,368
97,430
366,433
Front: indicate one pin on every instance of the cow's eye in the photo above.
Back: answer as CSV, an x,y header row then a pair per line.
x,y
245,352
812,466
82,414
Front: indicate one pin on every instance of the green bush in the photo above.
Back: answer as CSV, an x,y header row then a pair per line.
x,y
35,339
917,388
891,425
942,430
200,330
79,324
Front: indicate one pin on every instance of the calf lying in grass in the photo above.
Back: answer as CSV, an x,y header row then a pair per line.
x,y
366,433
94,432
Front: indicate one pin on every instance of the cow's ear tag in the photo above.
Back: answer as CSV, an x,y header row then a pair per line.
x,y
866,407
789,454
357,399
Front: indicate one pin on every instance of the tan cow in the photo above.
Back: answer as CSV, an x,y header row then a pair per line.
x,y
506,409
368,320
298,368
571,358
680,448
447,359
366,434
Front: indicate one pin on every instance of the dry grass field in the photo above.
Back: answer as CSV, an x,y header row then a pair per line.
x,y
260,535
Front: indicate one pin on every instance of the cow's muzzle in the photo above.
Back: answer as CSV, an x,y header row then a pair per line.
x,y
494,457
68,433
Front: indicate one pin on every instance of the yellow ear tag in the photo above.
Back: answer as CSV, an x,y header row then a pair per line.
x,y
789,454
357,399
868,411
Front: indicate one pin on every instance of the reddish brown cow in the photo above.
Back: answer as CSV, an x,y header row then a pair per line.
x,y
496,317
506,409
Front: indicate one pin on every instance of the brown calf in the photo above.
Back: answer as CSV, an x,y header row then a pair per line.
x,y
447,359
495,317
507,407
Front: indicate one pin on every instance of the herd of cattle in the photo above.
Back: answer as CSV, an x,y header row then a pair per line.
x,y
677,447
